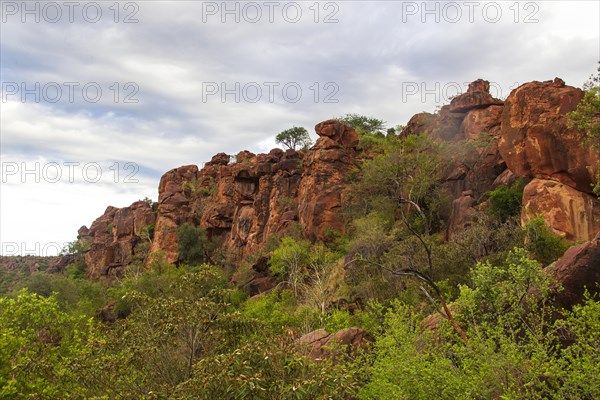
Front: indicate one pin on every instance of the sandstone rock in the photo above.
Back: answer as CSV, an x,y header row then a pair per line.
x,y
447,124
114,237
569,213
477,96
462,210
244,156
506,178
320,344
419,123
174,208
536,140
338,132
577,269
220,159
478,121
322,184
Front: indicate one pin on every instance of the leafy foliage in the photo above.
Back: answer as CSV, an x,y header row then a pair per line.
x,y
505,202
293,138
192,244
586,117
512,352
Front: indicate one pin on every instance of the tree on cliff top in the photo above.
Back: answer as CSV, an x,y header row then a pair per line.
x,y
294,137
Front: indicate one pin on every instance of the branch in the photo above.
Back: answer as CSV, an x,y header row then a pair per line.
x,y
416,274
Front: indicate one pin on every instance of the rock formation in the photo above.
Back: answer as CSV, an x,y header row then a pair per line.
x,y
320,344
241,202
114,237
535,139
569,213
322,185
577,270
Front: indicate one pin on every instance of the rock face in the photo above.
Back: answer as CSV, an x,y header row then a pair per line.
x,y
241,200
114,237
320,343
322,185
462,210
243,203
536,141
578,269
477,96
174,208
569,213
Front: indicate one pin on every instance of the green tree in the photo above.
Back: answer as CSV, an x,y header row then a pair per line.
x,y
37,343
505,202
192,244
364,125
290,261
294,137
512,350
586,118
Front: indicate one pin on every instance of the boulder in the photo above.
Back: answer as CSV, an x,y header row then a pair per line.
x,y
535,138
462,211
419,123
320,344
477,96
338,132
576,270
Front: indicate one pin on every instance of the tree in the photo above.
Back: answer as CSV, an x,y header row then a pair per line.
x,y
586,117
294,137
364,125
191,244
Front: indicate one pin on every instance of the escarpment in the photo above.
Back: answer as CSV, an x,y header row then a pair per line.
x,y
241,201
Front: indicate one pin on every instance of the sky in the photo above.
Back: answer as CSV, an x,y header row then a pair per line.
x,y
99,99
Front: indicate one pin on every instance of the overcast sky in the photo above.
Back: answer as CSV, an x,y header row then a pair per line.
x,y
99,99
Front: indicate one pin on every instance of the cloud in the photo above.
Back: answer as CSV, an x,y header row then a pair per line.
x,y
165,62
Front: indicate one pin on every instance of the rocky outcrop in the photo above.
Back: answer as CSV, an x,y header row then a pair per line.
x,y
577,269
569,213
463,209
322,185
535,138
242,200
477,96
422,123
175,208
243,203
481,122
472,117
114,237
320,344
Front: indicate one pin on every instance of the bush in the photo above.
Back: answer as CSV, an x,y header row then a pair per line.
x,y
505,202
191,244
545,246
512,348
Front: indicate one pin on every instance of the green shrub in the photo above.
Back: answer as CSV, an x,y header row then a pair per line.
x,y
505,202
545,246
192,244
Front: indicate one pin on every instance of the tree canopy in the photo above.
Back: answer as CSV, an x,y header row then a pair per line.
x,y
293,138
